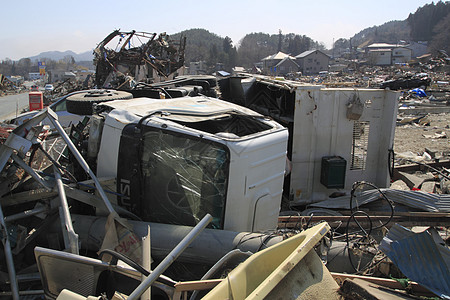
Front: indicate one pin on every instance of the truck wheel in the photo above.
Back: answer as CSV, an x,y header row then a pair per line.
x,y
81,104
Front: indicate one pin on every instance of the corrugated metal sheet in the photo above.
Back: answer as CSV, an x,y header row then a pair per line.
x,y
419,258
415,199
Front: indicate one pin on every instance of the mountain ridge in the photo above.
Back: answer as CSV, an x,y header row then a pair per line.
x,y
57,55
429,23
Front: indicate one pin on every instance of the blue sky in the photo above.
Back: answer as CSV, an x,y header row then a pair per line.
x,y
34,27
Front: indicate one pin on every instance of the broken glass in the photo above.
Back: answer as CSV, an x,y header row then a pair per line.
x,y
183,178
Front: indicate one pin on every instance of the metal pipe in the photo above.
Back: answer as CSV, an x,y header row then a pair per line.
x,y
24,293
9,258
26,213
146,262
80,159
70,237
28,277
210,246
170,258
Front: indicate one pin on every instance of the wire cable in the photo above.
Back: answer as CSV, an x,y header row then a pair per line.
x,y
359,184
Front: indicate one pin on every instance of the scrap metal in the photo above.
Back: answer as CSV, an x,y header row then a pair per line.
x,y
420,258
159,53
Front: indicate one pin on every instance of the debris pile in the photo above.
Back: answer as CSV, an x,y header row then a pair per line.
x,y
369,238
127,63
431,77
7,86
68,86
61,211
422,138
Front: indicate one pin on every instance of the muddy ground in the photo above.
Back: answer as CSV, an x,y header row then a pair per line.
x,y
416,137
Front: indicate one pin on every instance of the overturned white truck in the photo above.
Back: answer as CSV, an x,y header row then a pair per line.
x,y
177,159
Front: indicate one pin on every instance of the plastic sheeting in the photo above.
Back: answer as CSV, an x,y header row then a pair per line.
x,y
419,92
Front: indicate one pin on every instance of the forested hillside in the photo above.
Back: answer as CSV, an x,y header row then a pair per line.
x,y
203,45
430,23
255,46
391,32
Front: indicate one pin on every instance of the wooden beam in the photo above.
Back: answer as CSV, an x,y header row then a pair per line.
x,y
390,283
406,219
417,167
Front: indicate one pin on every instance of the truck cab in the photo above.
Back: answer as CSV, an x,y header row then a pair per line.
x,y
175,160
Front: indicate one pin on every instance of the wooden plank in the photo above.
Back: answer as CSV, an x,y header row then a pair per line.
x,y
361,289
196,285
390,283
416,167
378,215
407,220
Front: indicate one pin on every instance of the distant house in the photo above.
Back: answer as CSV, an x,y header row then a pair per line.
x,y
380,57
388,54
34,76
286,66
418,48
61,75
197,68
401,55
279,64
312,62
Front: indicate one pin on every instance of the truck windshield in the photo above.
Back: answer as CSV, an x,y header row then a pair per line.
x,y
183,178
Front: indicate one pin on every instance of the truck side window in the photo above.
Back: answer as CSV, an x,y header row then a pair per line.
x,y
183,178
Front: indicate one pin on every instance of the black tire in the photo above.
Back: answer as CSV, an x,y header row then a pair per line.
x,y
81,104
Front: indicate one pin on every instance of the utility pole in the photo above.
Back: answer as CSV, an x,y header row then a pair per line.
x,y
333,48
351,49
279,39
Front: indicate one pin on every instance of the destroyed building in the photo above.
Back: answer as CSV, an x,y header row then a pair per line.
x,y
127,57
